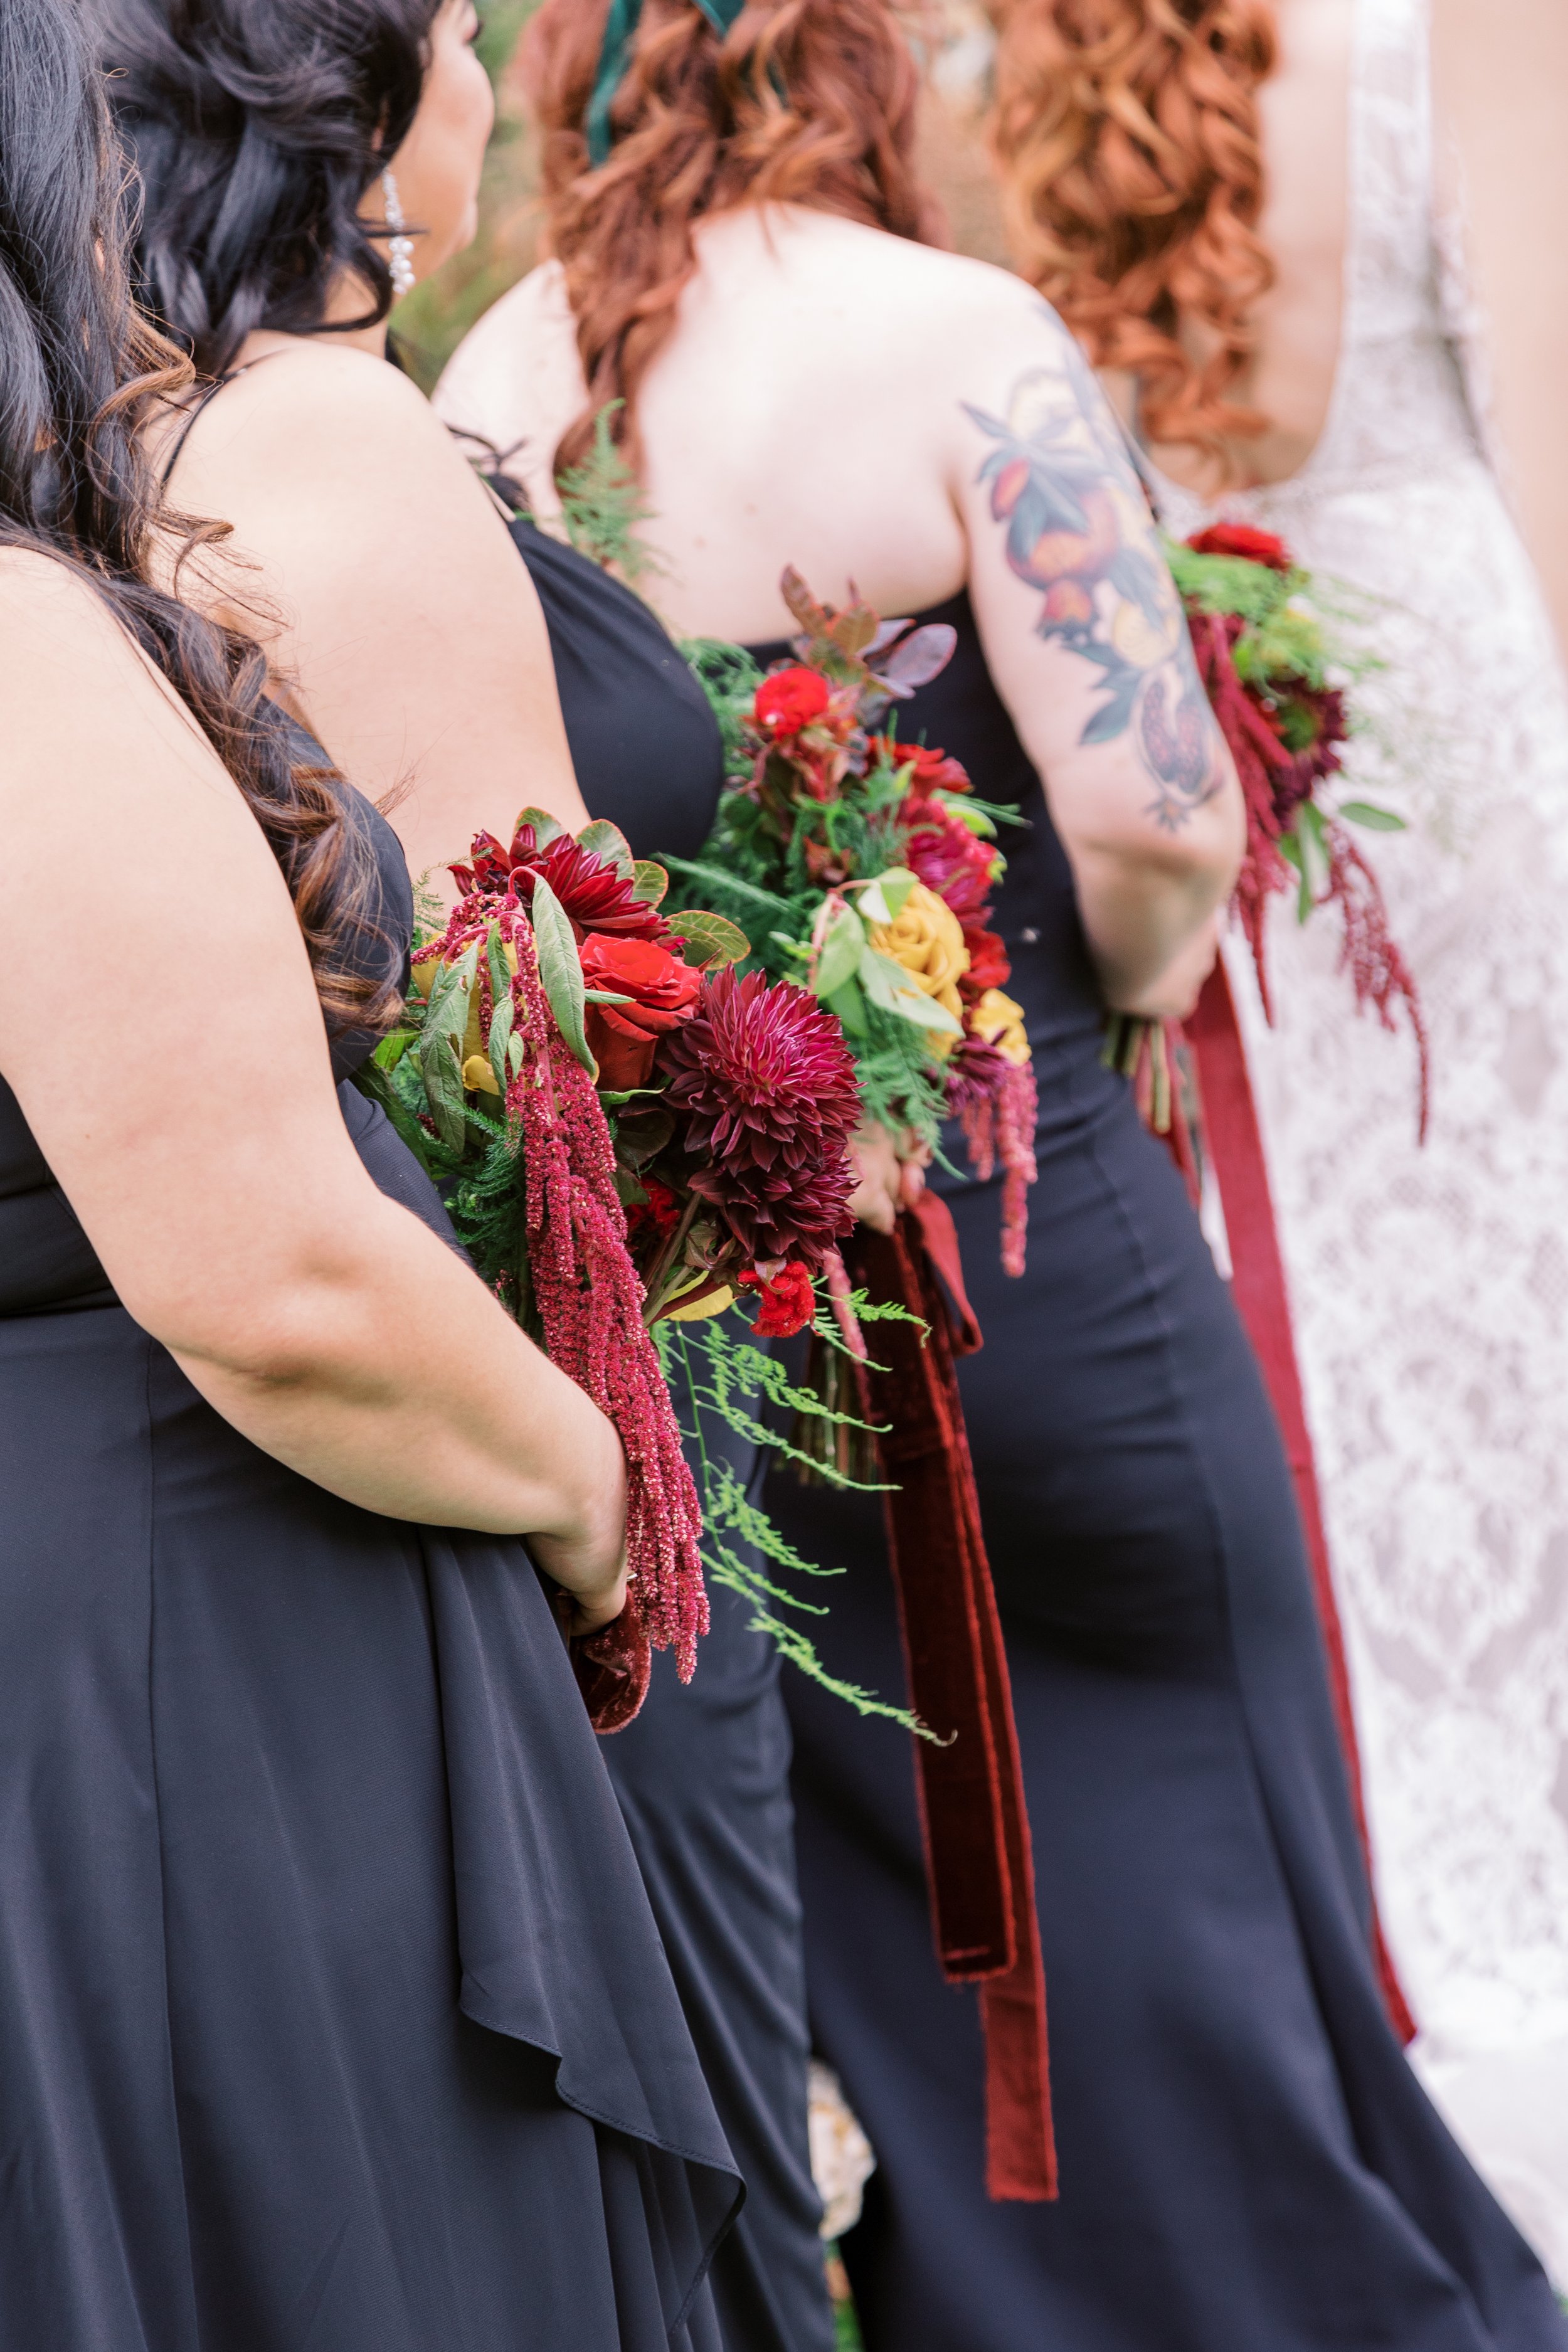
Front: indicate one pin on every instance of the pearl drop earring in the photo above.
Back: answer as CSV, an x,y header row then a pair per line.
x,y
399,246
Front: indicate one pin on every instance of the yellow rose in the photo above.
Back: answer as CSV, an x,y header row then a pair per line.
x,y
998,1021
927,942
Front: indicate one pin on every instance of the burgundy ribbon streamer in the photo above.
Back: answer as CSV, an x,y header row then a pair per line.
x,y
974,1818
1257,1285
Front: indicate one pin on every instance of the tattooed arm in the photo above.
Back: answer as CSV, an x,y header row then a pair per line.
x,y
1086,642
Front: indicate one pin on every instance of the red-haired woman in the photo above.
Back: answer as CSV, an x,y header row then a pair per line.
x,y
1246,2159
1264,222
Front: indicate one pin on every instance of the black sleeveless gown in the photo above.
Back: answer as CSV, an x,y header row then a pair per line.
x,y
332,2010
703,1774
1247,2163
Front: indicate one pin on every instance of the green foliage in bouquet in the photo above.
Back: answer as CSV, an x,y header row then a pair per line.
x,y
862,867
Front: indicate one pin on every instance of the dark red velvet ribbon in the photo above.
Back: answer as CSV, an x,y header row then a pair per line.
x,y
1257,1285
974,1818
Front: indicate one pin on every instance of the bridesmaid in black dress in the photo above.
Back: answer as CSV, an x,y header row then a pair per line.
x,y
414,643
1246,2161
331,2006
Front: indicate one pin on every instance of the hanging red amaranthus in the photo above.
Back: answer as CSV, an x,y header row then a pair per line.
x,y
1263,662
587,1294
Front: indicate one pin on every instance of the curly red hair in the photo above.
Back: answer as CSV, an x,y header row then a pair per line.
x,y
1128,137
803,101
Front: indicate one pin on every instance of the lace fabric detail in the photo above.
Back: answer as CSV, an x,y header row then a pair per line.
x,y
1430,1286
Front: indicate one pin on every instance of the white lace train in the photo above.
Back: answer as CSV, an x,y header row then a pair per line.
x,y
1430,1286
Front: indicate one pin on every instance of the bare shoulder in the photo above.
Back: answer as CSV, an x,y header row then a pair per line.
x,y
81,697
511,332
55,631
316,426
515,381
890,273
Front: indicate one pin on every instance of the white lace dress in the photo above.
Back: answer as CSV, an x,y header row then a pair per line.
x,y
1430,1286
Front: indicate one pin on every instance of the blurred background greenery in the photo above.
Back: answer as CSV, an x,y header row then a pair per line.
x,y
952,37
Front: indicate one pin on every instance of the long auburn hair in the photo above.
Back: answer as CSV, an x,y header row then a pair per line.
x,y
804,101
1128,136
81,375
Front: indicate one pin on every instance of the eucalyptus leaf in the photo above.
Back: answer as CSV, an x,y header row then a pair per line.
x,y
561,971
708,941
501,1021
441,1045
1310,836
546,828
883,899
838,960
850,1005
392,1049
884,983
605,996
498,965
1375,819
602,839
649,881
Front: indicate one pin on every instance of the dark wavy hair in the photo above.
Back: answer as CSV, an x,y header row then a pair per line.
x,y
256,126
81,374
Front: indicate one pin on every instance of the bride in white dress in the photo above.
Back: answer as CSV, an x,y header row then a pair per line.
x,y
1429,1286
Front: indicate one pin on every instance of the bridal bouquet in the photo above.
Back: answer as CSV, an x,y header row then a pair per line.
x,y
863,867
1268,665
628,1134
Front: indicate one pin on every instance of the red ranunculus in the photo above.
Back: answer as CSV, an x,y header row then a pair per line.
x,y
990,966
790,700
933,770
664,993
947,857
1240,538
788,1300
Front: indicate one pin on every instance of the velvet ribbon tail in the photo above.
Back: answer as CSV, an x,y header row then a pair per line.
x,y
974,1818
1230,1126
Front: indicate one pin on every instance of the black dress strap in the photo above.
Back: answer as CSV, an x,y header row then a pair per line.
x,y
205,401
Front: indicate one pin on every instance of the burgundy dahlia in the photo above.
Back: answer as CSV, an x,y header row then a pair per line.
x,y
595,896
766,1090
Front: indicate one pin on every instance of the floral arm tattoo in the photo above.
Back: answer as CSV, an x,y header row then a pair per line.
x,y
1078,529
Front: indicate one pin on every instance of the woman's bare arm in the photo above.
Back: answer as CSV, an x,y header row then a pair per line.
x,y
410,629
1086,642
1502,74
193,1123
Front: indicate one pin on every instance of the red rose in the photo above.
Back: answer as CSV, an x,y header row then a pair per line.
x,y
664,992
788,1301
1240,538
790,700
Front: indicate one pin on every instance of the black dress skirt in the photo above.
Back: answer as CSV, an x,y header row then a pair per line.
x,y
1247,2163
703,1774
332,2013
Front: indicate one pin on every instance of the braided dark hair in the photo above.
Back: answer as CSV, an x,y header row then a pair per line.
x,y
256,126
81,374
